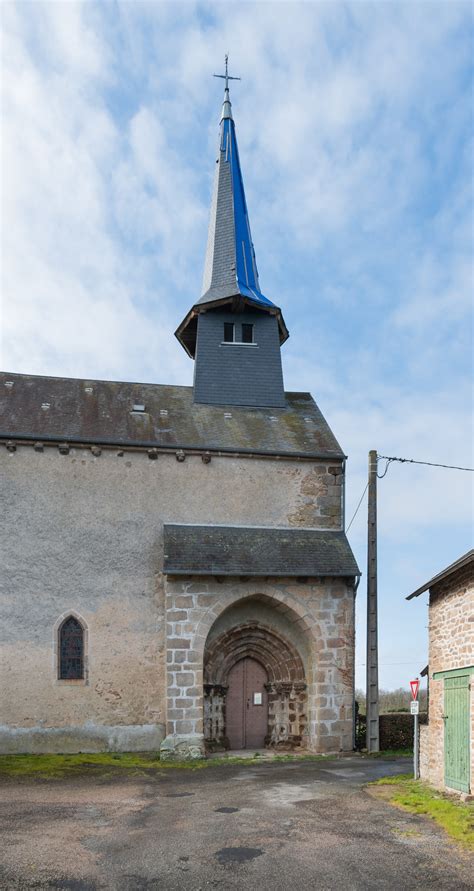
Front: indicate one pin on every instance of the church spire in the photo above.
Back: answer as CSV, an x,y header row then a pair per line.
x,y
234,332
227,106
230,269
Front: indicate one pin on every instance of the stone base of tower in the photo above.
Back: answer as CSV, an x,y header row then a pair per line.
x,y
182,747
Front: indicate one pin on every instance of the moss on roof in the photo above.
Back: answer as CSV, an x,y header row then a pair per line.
x,y
253,550
102,411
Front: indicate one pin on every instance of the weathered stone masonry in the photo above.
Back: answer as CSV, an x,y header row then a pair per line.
x,y
451,649
321,610
104,560
451,646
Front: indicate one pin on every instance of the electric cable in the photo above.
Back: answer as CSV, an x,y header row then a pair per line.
x,y
357,508
428,464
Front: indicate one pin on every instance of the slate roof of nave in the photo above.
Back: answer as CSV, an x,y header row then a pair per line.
x,y
90,411
256,550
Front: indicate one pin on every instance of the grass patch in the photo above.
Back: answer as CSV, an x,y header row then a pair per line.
x,y
455,817
54,766
393,781
109,763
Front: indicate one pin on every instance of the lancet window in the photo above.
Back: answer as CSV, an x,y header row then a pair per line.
x,y
71,650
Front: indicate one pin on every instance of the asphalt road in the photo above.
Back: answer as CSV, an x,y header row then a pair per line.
x,y
301,825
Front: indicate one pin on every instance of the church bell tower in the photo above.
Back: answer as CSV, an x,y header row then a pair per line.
x,y
233,332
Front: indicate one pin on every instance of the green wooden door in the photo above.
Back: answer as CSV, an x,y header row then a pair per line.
x,y
456,732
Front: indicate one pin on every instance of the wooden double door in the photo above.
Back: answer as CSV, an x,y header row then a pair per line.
x,y
247,705
456,732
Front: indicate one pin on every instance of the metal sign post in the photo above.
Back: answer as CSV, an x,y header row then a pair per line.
x,y
414,709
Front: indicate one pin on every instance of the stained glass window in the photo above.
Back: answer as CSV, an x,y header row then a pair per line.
x,y
71,650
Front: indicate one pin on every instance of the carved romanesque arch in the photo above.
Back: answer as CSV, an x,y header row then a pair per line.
x,y
278,656
287,698
288,606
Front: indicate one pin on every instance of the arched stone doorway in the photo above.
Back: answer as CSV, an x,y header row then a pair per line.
x,y
306,616
233,712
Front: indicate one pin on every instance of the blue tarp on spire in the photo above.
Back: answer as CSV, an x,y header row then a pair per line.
x,y
245,262
231,267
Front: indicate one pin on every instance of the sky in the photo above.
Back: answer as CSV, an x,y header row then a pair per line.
x,y
354,125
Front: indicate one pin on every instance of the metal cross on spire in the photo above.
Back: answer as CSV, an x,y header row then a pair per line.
x,y
227,76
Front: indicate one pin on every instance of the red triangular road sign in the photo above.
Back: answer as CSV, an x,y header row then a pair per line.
x,y
414,688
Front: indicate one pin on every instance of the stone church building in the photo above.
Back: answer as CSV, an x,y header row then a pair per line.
x,y
175,570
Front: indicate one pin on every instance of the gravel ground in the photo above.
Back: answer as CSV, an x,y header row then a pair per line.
x,y
268,826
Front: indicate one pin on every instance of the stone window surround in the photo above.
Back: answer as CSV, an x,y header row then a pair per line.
x,y
70,682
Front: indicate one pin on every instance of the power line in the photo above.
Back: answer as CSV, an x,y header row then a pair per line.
x,y
357,508
428,463
404,461
415,659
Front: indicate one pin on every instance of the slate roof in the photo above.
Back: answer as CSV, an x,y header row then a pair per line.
x,y
89,411
466,560
230,269
230,265
245,550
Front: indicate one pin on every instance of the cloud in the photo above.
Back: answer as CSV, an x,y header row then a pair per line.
x,y
86,204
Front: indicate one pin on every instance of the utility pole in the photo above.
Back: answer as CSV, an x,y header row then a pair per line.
x,y
372,695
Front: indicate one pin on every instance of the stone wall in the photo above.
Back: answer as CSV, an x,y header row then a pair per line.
x,y
215,737
321,612
287,715
424,752
451,646
82,532
451,622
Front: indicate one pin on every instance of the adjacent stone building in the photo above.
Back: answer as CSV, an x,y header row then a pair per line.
x,y
175,568
447,741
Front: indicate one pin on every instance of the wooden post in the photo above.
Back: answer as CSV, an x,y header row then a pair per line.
x,y
372,696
